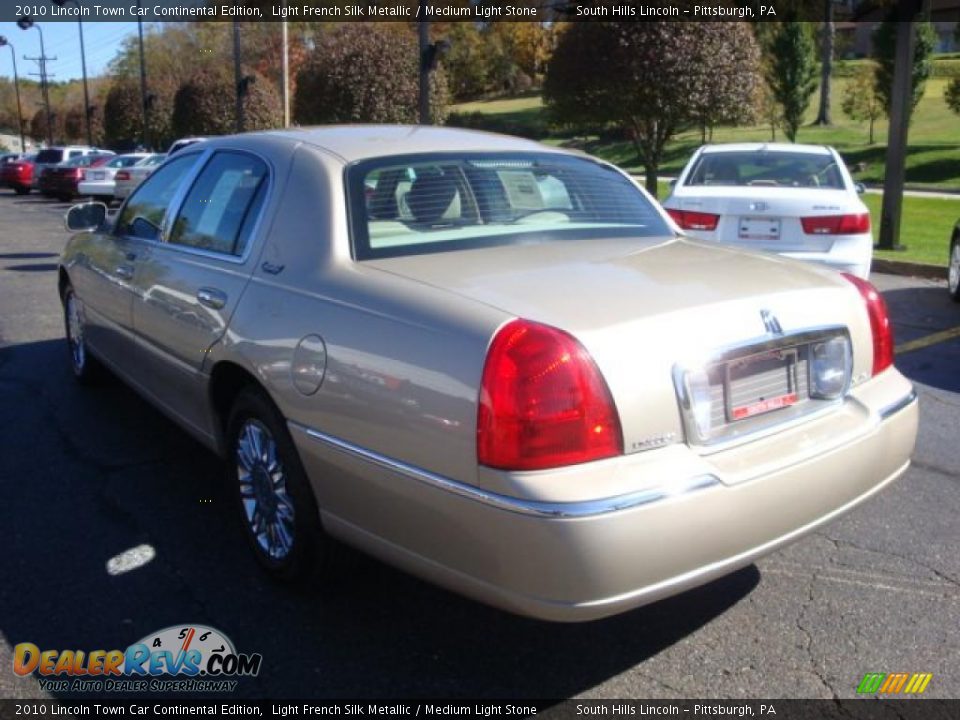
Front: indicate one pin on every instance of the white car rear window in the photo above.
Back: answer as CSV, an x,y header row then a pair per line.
x,y
766,169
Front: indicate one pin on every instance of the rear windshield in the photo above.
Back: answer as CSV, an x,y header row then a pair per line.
x,y
50,155
426,204
761,168
122,161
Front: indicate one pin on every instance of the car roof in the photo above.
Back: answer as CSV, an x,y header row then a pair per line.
x,y
768,147
359,142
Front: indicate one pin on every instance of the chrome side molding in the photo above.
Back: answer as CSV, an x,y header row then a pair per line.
x,y
536,508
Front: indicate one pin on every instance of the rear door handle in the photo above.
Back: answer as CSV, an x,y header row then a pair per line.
x,y
212,298
124,272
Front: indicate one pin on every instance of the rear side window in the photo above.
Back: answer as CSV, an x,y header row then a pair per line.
x,y
142,216
221,207
761,168
421,204
50,155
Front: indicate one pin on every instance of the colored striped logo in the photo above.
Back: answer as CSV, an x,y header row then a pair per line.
x,y
893,683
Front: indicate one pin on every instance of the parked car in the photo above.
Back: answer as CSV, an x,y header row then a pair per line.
x,y
180,144
953,270
795,200
48,157
9,157
61,181
127,179
503,370
100,183
18,174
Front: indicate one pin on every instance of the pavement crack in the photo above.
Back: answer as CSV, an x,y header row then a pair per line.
x,y
939,574
808,647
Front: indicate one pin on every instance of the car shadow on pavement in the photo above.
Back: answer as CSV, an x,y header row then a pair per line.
x,y
918,313
88,473
32,267
26,255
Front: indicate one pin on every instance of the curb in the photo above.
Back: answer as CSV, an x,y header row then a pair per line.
x,y
912,269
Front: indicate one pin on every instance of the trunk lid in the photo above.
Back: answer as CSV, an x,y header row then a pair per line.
x,y
642,307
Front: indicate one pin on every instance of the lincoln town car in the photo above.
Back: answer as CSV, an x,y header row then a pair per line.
x,y
497,365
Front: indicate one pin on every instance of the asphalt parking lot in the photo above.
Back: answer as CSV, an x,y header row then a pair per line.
x,y
88,473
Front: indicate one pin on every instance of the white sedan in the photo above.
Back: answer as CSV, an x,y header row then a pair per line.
x,y
126,180
99,182
794,200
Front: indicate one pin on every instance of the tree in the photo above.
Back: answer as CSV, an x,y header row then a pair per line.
x,y
725,94
952,95
123,115
860,99
650,80
827,37
365,73
75,124
885,50
791,72
206,105
38,126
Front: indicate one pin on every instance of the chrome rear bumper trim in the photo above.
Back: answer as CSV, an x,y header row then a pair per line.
x,y
895,407
536,508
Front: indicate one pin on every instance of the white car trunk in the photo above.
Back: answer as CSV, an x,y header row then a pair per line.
x,y
765,218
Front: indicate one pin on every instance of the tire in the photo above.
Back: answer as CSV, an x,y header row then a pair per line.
x,y
953,271
274,501
20,190
86,368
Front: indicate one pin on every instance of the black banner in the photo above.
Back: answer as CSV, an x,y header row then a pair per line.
x,y
851,709
415,10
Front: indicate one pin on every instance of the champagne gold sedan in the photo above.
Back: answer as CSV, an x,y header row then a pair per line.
x,y
497,365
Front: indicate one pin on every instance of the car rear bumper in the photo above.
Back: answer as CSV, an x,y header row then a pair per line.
x,y
691,519
96,187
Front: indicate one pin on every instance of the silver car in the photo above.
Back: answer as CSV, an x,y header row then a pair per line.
x,y
489,362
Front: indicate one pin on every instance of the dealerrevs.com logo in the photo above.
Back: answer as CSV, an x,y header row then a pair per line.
x,y
185,658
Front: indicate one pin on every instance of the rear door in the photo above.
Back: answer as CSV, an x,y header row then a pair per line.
x,y
192,281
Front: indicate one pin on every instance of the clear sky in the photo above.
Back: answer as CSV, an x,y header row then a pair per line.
x,y
62,39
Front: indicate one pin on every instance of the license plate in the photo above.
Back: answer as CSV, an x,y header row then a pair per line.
x,y
762,383
759,228
96,176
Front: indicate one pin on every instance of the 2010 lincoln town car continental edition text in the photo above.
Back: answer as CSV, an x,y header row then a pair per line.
x,y
497,365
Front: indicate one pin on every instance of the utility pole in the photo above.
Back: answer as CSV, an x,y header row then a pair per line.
x,y
83,65
900,100
25,23
286,70
826,63
143,84
16,86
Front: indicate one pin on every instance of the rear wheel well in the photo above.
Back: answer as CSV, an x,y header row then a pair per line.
x,y
226,382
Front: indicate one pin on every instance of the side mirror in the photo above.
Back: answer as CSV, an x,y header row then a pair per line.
x,y
860,188
88,216
673,182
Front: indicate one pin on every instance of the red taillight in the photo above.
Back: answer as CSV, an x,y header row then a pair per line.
x,y
836,224
122,175
543,402
689,220
879,323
